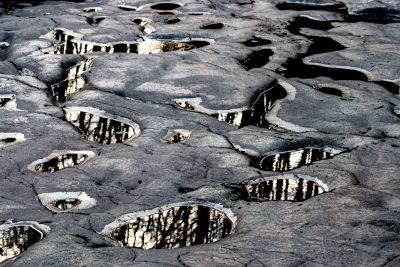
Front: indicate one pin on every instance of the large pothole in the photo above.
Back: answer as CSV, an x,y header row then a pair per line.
x,y
173,226
99,126
289,160
15,238
59,160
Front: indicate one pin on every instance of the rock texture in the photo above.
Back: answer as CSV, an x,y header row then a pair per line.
x,y
200,133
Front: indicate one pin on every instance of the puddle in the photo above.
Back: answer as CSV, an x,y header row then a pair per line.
x,y
256,41
289,160
176,136
257,59
95,19
212,26
376,15
154,46
172,20
8,101
66,201
173,226
165,6
15,238
99,126
59,160
288,188
330,91
71,44
7,139
127,7
304,21
258,112
311,5
74,82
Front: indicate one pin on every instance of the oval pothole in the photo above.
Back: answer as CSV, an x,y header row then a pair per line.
x,y
155,46
176,136
256,41
165,6
289,187
59,160
66,201
8,101
173,226
98,126
212,26
7,139
289,160
15,238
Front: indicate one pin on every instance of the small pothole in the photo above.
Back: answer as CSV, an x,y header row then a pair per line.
x,y
66,201
212,26
173,226
95,19
289,160
7,139
172,20
256,41
154,46
166,6
288,187
330,91
257,59
177,136
15,238
59,160
127,7
99,126
8,101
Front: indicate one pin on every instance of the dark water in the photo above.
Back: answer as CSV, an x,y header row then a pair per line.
x,y
8,5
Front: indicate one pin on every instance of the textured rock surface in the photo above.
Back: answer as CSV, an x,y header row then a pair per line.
x,y
244,132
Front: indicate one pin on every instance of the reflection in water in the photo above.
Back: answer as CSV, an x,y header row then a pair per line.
x,y
98,126
66,204
73,83
60,202
290,160
15,239
59,161
290,189
6,99
175,227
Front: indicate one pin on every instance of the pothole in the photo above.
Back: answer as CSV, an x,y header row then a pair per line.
x,y
289,160
8,101
127,7
311,5
74,82
212,26
172,20
304,21
71,43
154,45
165,6
176,136
7,139
260,107
288,188
15,238
99,126
92,9
59,160
257,59
66,201
95,19
173,226
329,90
256,41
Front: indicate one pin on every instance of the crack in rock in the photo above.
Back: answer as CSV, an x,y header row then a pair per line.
x,y
59,160
15,238
99,126
289,160
173,226
66,201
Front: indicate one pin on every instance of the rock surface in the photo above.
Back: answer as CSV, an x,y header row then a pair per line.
x,y
200,133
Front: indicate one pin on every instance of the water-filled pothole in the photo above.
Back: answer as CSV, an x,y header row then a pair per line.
x,y
74,82
330,91
288,187
99,126
311,5
289,160
260,107
256,41
95,19
176,136
212,26
172,20
8,101
127,7
66,201
166,6
59,160
155,45
173,226
257,59
308,22
15,238
7,139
